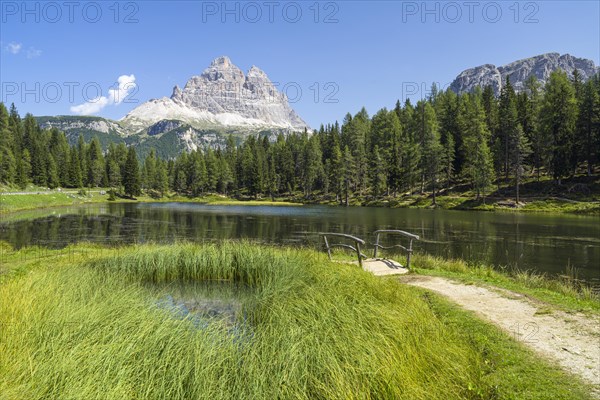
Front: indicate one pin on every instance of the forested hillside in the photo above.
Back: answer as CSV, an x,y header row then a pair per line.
x,y
474,140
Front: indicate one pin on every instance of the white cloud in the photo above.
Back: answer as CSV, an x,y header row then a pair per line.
x,y
91,106
126,84
14,48
32,52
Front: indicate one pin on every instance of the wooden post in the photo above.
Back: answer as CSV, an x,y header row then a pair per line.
x,y
358,254
327,247
376,246
409,253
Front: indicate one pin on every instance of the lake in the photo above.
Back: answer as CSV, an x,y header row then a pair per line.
x,y
532,241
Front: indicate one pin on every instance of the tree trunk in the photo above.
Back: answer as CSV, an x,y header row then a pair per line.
x,y
347,203
517,178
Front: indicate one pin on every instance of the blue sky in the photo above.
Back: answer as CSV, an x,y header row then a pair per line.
x,y
356,53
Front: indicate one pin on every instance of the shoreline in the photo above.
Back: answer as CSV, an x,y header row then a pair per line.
x,y
12,203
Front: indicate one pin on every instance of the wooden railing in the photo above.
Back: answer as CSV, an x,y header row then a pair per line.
x,y
408,249
356,248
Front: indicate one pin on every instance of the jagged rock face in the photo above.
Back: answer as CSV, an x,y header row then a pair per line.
x,y
519,71
163,126
222,96
68,123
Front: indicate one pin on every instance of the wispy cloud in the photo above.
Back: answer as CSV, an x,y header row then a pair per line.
x,y
32,52
14,48
126,84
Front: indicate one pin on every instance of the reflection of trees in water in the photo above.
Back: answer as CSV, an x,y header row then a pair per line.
x,y
530,241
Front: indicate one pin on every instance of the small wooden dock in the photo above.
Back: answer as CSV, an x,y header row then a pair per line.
x,y
377,266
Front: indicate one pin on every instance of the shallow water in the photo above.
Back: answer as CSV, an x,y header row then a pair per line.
x,y
544,242
206,303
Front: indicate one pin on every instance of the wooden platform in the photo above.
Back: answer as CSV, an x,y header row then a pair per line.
x,y
383,266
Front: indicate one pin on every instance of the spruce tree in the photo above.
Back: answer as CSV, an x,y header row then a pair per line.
x,y
508,123
479,166
558,117
131,174
588,126
348,172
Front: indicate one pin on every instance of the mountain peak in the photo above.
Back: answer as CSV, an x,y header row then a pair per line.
x,y
540,66
222,60
222,96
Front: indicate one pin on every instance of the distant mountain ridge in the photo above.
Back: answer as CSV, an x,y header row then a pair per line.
x,y
540,66
222,96
223,101
220,102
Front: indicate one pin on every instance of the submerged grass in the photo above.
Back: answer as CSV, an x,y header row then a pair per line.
x,y
80,323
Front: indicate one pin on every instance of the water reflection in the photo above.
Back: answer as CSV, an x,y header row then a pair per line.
x,y
543,242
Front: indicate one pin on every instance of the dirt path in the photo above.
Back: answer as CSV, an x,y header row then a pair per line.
x,y
573,340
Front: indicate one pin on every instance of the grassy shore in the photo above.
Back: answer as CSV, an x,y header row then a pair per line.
x,y
579,195
81,323
47,199
30,201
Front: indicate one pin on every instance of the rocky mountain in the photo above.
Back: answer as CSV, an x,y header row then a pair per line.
x,y
222,96
221,102
519,71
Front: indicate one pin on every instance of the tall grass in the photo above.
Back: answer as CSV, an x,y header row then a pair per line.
x,y
319,330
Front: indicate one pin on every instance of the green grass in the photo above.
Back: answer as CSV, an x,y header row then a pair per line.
x,y
36,199
81,323
14,203
565,292
509,370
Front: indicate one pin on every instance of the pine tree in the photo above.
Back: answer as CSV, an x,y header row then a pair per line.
x,y
8,163
508,118
558,118
75,179
519,150
531,124
95,163
197,178
312,164
348,173
25,169
447,158
588,125
53,179
82,156
427,130
479,161
161,179
212,175
447,105
225,175
335,172
378,175
131,174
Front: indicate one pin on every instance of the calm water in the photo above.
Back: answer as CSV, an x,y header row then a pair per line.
x,y
542,242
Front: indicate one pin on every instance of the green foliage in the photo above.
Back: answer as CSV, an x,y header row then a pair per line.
x,y
558,118
444,141
131,174
87,322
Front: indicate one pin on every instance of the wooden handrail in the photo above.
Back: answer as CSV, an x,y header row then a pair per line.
x,y
410,235
408,250
357,241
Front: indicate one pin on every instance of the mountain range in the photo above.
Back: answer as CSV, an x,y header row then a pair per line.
x,y
220,102
519,71
223,101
